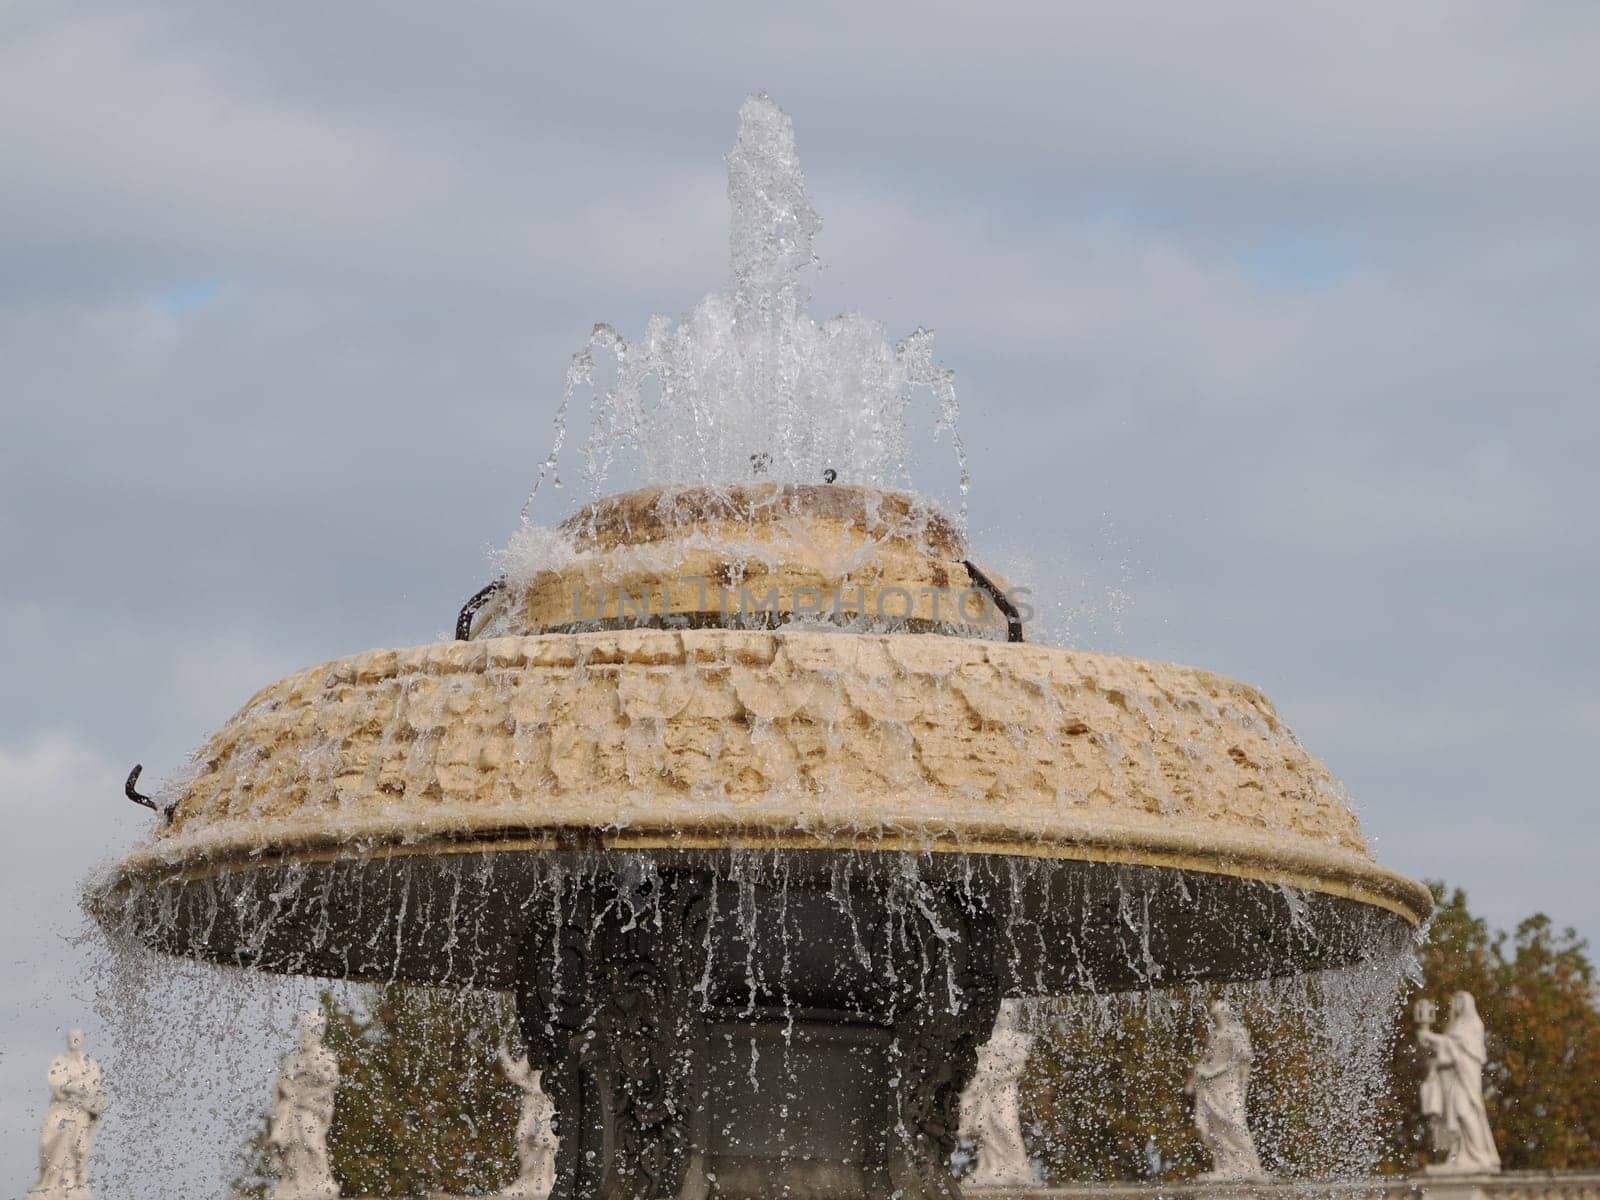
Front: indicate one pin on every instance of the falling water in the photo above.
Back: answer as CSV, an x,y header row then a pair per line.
x,y
749,384
1320,1035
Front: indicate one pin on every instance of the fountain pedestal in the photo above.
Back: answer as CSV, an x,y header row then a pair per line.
x,y
701,1045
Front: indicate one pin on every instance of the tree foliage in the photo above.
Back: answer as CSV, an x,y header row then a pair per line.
x,y
422,1106
1104,1091
1103,1096
1535,988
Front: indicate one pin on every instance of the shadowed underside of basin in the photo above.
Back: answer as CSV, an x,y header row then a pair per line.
x,y
457,914
745,1022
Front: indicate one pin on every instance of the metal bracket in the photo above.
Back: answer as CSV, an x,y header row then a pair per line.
x,y
1001,600
131,791
471,607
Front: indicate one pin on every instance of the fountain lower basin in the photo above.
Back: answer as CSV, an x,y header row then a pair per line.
x,y
759,891
661,742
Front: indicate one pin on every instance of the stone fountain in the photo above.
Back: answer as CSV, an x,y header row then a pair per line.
x,y
753,795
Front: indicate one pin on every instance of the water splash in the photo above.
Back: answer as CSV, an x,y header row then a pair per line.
x,y
749,383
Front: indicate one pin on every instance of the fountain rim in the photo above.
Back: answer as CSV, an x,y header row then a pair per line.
x,y
634,515
1347,877
619,816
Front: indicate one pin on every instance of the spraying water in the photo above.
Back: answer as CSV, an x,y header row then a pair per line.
x,y
749,384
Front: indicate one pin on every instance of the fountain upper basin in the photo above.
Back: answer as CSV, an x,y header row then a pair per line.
x,y
751,555
390,814
445,760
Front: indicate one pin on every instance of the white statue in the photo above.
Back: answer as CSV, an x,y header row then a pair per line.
x,y
1220,1083
536,1138
76,1103
990,1116
302,1111
1452,1093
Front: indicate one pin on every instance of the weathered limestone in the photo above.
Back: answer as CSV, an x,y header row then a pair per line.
x,y
708,554
990,1116
76,1105
722,737
302,1111
1452,1092
1220,1084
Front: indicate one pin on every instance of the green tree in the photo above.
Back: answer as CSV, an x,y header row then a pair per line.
x,y
1535,989
1102,1096
1103,1093
1458,957
422,1104
1548,1076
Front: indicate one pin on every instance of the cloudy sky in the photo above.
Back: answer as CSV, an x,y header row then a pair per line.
x,y
1275,328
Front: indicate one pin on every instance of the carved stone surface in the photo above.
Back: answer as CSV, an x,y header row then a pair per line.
x,y
76,1104
990,1113
1452,1092
1220,1084
606,1016
705,553
537,1144
944,1009
730,737
302,1111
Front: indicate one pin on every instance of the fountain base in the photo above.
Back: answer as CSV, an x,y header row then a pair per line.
x,y
693,1050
